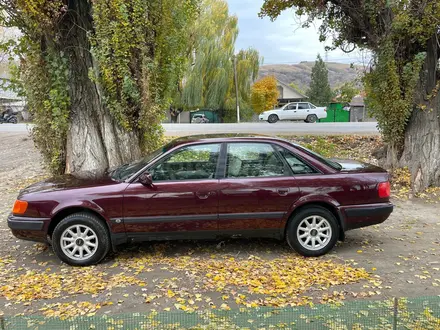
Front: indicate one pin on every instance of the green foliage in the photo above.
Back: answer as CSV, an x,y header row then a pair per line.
x,y
141,60
297,88
209,77
229,112
397,32
139,53
391,89
320,92
346,92
43,79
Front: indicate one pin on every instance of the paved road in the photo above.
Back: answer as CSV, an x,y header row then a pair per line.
x,y
280,128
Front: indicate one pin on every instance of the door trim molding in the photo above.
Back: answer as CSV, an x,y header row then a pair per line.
x,y
171,218
200,217
251,215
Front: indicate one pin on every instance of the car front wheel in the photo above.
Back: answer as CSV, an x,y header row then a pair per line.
x,y
312,232
81,239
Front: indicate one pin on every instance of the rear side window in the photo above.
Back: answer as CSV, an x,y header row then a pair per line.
x,y
251,160
297,166
303,106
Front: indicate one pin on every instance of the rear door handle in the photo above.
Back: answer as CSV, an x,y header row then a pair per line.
x,y
203,194
283,191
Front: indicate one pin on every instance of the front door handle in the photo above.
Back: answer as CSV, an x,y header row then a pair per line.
x,y
283,191
203,194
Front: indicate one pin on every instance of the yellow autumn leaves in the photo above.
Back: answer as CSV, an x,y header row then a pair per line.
x,y
216,281
264,94
34,285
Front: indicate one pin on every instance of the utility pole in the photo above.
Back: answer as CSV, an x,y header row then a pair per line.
x,y
236,89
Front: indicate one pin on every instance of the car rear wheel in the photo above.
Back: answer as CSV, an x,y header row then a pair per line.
x,y
272,119
81,239
311,119
312,232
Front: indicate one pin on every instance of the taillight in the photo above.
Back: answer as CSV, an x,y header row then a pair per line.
x,y
384,189
325,109
20,207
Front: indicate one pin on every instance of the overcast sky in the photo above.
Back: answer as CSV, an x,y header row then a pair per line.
x,y
281,41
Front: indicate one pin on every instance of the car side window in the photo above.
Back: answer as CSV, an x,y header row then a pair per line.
x,y
297,166
312,106
188,163
291,106
251,160
303,106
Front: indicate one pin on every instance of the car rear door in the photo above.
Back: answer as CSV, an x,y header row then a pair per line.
x,y
182,203
256,191
303,111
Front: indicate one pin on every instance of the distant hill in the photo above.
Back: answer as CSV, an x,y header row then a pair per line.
x,y
338,74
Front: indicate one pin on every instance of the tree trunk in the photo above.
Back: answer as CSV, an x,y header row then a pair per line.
x,y
95,141
421,151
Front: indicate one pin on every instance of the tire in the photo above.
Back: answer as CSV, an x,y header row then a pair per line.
x,y
13,120
296,228
311,119
96,234
273,119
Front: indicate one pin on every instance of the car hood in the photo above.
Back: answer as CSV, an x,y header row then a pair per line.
x,y
349,165
64,182
270,111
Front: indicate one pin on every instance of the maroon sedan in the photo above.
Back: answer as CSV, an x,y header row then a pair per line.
x,y
204,187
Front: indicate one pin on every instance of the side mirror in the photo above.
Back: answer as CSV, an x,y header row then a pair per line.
x,y
146,179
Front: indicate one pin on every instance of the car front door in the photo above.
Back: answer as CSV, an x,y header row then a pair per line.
x,y
256,192
182,202
289,112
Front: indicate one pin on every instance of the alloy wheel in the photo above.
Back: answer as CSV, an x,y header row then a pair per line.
x,y
79,242
314,233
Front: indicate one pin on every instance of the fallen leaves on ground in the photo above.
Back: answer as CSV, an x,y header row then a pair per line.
x,y
46,284
277,282
72,309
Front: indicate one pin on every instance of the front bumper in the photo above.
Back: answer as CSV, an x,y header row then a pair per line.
x,y
28,228
358,216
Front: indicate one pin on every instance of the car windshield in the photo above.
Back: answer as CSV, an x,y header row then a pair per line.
x,y
123,172
326,161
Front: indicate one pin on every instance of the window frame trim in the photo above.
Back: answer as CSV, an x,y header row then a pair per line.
x,y
169,154
272,145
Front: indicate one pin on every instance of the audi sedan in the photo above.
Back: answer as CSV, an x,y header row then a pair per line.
x,y
206,187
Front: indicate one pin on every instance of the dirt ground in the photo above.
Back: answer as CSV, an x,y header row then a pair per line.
x,y
399,258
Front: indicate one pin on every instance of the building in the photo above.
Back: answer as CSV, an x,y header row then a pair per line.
x,y
288,94
358,110
10,100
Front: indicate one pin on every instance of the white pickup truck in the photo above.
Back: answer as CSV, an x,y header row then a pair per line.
x,y
295,111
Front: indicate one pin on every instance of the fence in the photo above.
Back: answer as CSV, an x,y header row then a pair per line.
x,y
416,313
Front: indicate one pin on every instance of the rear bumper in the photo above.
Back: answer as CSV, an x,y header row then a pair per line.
x,y
364,215
32,229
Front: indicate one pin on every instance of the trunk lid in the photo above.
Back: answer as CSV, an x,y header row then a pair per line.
x,y
353,166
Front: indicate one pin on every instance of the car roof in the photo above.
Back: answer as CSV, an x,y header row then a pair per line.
x,y
224,137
